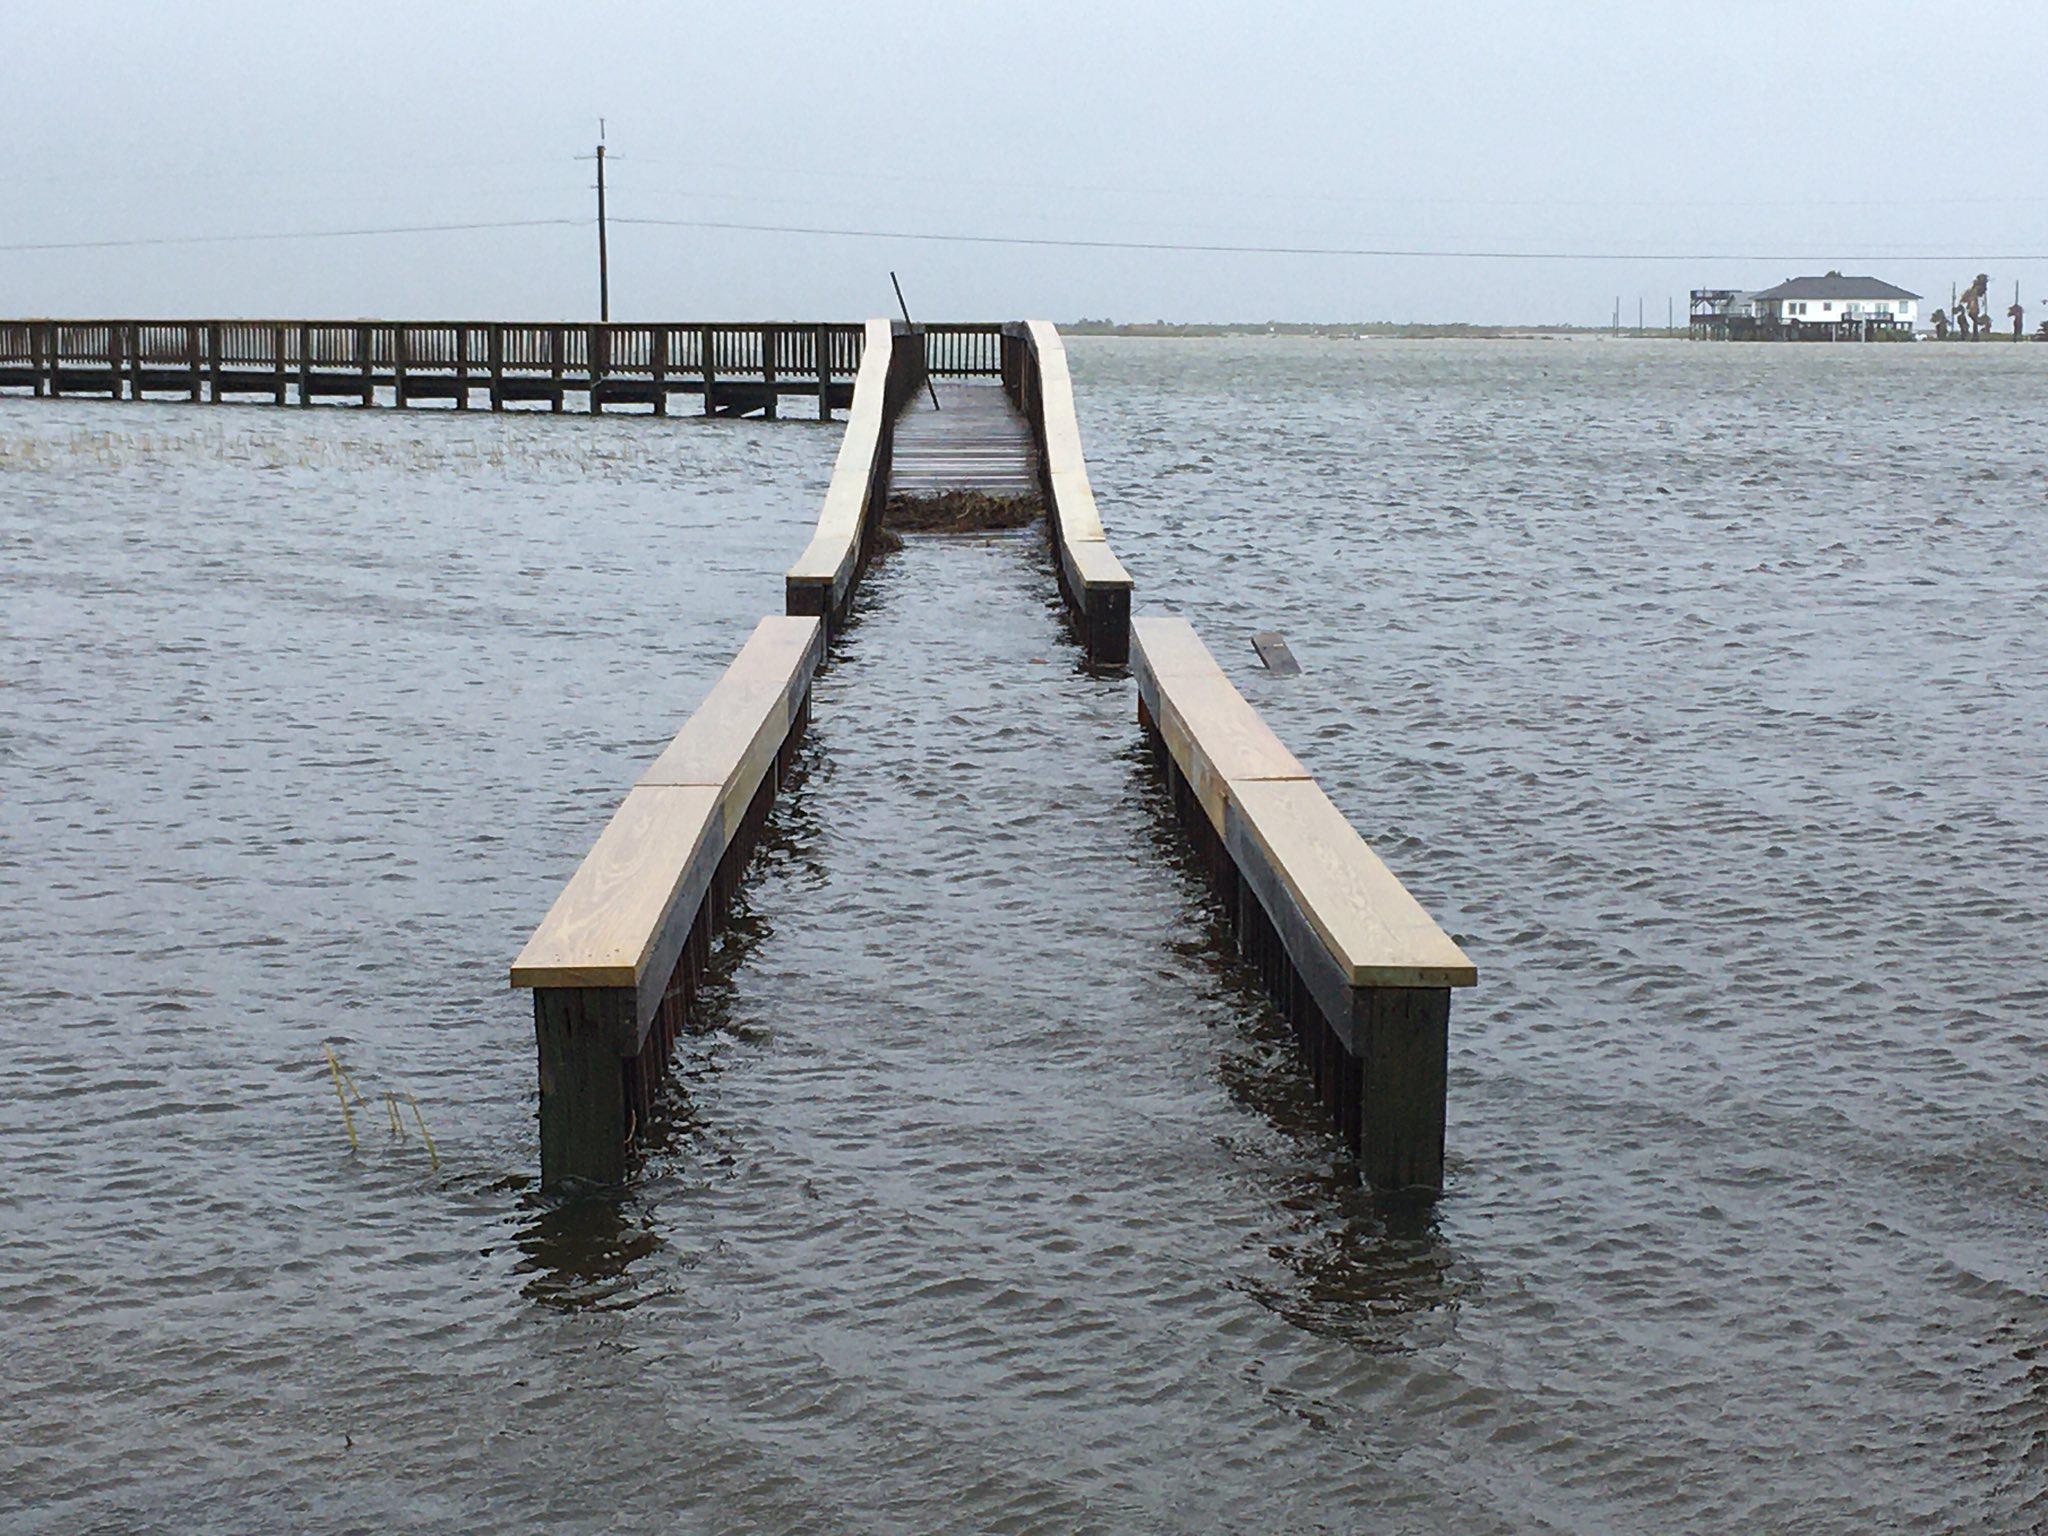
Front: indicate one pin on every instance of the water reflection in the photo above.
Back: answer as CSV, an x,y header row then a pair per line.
x,y
581,1250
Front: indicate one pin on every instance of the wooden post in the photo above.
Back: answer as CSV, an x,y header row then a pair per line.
x,y
366,369
401,346
39,358
305,365
133,347
555,348
597,357
768,371
821,346
585,1120
192,361
658,340
213,357
709,360
494,340
56,360
113,361
461,367
1404,1043
277,365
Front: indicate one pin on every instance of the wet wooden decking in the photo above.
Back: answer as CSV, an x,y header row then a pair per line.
x,y
975,441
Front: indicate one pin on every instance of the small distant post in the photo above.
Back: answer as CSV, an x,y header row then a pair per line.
x,y
821,347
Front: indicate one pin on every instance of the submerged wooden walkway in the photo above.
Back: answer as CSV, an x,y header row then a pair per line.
x,y
1356,966
974,438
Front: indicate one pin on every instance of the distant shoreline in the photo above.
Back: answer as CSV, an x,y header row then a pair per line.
x,y
1364,330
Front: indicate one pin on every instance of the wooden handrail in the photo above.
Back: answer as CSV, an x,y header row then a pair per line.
x,y
1362,971
615,964
823,579
1093,581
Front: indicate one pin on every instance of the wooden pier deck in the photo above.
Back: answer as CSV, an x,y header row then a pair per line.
x,y
1362,973
974,439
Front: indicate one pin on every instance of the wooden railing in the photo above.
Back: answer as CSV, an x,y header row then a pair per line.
x,y
1096,586
734,369
963,351
617,963
1360,970
825,575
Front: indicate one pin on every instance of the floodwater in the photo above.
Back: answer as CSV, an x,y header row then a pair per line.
x,y
1700,691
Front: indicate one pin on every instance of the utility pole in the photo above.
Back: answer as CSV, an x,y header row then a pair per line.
x,y
604,264
604,268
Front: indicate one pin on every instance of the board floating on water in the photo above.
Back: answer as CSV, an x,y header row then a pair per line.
x,y
1273,651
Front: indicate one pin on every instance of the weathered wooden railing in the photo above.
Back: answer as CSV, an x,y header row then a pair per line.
x,y
1359,969
734,369
616,965
954,351
1095,584
823,580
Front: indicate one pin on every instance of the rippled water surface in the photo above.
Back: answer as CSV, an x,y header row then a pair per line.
x,y
1699,690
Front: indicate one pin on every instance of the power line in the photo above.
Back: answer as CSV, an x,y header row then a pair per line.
x,y
1217,248
1057,242
310,234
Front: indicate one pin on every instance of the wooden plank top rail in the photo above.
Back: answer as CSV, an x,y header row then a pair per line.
x,y
822,580
1096,586
606,927
1255,791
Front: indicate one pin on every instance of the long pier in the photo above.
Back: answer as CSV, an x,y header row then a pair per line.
x,y
732,369
1360,971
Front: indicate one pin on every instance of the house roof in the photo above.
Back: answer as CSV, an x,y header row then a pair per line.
x,y
1835,286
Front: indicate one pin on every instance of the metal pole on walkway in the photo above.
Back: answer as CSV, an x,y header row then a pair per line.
x,y
930,388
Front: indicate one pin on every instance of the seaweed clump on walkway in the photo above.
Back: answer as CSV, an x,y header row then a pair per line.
x,y
960,512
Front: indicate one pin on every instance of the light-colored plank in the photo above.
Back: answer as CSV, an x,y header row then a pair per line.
x,y
1168,646
602,928
1219,740
1377,932
1093,564
835,545
730,741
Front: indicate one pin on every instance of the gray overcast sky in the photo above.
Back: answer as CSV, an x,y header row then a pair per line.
x,y
1834,132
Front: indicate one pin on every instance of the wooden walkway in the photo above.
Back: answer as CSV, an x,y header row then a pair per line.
x,y
975,441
